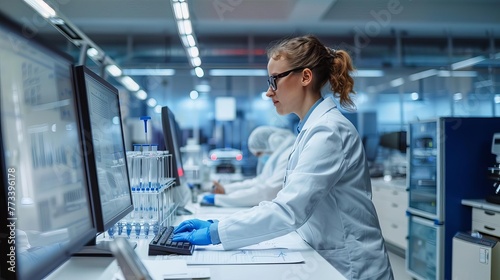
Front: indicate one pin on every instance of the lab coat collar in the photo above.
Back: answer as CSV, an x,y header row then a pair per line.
x,y
326,105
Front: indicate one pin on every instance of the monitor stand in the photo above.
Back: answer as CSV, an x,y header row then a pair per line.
x,y
98,249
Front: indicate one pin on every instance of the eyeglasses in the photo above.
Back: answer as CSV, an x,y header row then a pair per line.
x,y
271,80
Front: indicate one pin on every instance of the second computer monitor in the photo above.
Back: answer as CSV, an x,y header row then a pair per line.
x,y
104,147
181,192
170,129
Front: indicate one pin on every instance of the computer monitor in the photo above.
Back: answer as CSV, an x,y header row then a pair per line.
x,y
45,206
104,150
394,140
171,137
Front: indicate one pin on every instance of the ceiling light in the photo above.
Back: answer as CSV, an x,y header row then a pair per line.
x,y
42,8
190,40
369,73
141,94
185,27
397,82
184,41
152,102
194,52
114,70
466,63
461,74
129,83
177,10
92,52
414,96
199,72
158,109
423,74
497,98
194,94
185,10
149,72
196,61
238,72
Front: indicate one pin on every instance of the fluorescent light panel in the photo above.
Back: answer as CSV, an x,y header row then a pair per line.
x,y
129,83
423,74
467,62
185,10
199,72
177,10
149,72
397,82
42,8
141,94
460,74
114,70
196,61
369,73
194,52
238,72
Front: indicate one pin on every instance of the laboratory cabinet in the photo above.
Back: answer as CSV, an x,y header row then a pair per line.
x,y
390,199
448,159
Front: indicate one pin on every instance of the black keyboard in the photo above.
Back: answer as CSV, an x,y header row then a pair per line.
x,y
162,244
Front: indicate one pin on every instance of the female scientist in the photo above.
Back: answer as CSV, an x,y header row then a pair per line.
x,y
326,195
264,140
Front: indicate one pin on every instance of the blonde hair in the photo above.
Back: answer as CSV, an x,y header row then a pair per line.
x,y
327,65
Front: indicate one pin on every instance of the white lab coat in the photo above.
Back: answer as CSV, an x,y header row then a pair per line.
x,y
264,186
326,198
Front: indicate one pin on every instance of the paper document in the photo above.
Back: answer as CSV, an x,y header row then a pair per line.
x,y
240,257
170,269
158,268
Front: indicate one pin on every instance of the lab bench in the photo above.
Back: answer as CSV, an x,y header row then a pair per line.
x,y
104,268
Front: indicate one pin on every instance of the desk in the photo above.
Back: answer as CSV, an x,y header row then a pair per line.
x,y
315,266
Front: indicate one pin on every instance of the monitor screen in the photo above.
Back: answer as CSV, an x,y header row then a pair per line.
x,y
171,130
45,206
394,140
104,147
171,138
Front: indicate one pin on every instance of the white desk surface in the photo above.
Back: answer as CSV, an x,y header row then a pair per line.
x,y
481,204
315,267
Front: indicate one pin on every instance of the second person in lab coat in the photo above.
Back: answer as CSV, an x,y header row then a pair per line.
x,y
326,197
273,141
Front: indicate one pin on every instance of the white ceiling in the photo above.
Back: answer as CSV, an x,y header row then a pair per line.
x,y
234,33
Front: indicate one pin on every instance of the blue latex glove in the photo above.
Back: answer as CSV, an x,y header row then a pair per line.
x,y
209,199
195,237
193,224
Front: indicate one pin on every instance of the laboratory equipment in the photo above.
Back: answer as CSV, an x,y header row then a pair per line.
x,y
475,256
225,165
46,210
445,165
162,244
192,162
104,149
494,171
